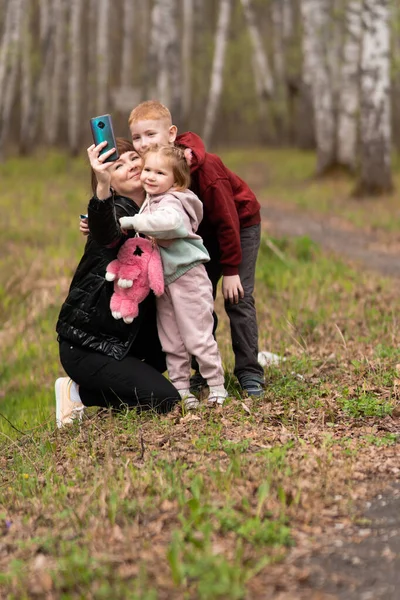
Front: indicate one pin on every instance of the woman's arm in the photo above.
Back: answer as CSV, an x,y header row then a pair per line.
x,y
103,211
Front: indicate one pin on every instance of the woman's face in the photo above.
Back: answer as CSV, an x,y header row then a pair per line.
x,y
125,174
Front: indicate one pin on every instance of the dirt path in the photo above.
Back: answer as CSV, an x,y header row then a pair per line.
x,y
362,562
365,563
356,245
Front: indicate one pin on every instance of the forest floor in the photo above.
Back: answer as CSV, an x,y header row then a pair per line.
x,y
293,496
360,562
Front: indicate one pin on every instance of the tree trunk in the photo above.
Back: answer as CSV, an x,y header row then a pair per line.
x,y
375,133
127,44
279,63
217,73
174,62
103,55
187,49
165,58
287,18
260,56
11,56
396,76
349,89
26,79
75,78
59,68
4,49
316,19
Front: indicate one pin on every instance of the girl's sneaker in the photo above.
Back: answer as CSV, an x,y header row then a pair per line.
x,y
217,394
190,402
67,410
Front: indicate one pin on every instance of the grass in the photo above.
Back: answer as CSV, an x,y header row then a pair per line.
x,y
203,505
287,177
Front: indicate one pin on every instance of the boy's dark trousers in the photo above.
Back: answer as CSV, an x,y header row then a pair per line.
x,y
242,316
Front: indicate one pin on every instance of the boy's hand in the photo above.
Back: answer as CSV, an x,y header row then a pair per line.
x,y
188,156
232,288
84,227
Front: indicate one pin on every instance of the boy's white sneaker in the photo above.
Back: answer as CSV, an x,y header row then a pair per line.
x,y
190,402
217,394
67,410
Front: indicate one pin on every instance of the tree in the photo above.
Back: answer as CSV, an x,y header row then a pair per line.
x,y
103,54
74,75
375,132
127,43
217,73
59,68
348,106
165,58
9,65
265,86
316,21
187,49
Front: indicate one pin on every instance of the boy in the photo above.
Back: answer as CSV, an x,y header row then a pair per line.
x,y
230,230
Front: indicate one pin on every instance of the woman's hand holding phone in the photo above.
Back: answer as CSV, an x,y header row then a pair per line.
x,y
101,168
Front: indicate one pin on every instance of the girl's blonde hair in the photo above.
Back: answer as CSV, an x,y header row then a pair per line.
x,y
176,159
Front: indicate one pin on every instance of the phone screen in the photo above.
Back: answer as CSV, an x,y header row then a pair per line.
x,y
102,131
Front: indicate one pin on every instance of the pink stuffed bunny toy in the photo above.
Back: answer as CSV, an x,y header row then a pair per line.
x,y
136,270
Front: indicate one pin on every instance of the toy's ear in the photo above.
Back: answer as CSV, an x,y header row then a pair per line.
x,y
155,273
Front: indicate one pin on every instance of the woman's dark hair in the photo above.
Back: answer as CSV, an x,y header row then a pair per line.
x,y
123,146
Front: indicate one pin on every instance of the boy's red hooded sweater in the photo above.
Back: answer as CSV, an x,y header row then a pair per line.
x,y
229,203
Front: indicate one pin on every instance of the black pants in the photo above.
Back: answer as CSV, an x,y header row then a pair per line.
x,y
242,316
130,382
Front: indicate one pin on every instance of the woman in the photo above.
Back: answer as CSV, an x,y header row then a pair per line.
x,y
109,363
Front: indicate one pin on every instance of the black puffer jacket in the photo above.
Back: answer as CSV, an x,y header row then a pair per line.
x,y
85,318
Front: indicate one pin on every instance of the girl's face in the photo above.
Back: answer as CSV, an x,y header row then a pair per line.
x,y
125,173
157,175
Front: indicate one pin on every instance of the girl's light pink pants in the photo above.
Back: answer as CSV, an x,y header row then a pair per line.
x,y
185,325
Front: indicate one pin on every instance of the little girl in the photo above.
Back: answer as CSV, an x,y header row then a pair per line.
x,y
171,214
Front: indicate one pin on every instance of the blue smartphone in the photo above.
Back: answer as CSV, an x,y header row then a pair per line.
x,y
83,216
102,131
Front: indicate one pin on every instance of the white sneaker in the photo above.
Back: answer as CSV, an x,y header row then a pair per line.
x,y
66,410
217,394
190,402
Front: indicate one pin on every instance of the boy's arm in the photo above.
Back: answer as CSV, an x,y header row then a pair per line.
x,y
222,214
220,208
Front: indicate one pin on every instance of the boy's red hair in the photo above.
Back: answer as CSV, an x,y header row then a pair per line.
x,y
150,110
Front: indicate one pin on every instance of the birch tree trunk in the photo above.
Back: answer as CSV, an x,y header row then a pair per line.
x,y
315,15
287,18
5,46
27,100
279,63
396,73
217,73
127,43
187,50
348,106
260,56
103,55
174,61
75,78
164,57
375,133
11,56
59,69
